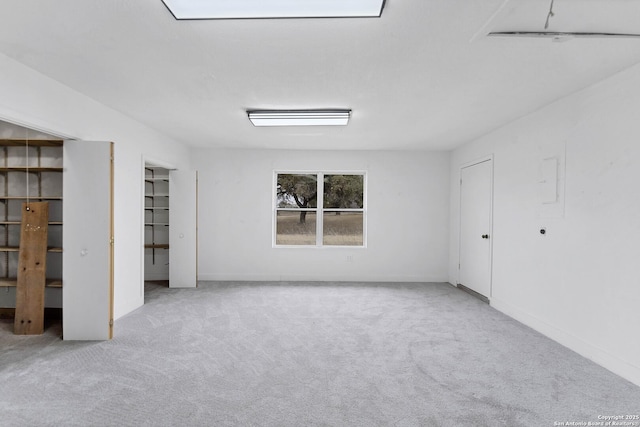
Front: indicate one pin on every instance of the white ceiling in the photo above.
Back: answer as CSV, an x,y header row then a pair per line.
x,y
423,76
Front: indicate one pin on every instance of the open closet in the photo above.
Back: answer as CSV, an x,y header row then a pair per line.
x,y
56,257
170,226
156,225
30,175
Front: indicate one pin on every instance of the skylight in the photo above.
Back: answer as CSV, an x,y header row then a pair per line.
x,y
248,9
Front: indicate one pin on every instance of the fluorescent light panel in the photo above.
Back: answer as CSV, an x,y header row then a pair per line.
x,y
246,9
300,117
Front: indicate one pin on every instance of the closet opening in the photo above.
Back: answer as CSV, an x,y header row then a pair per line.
x,y
30,180
156,227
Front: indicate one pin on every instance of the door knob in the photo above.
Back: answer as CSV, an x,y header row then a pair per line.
x,y
485,236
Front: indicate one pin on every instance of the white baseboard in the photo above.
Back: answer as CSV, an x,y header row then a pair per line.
x,y
314,278
603,358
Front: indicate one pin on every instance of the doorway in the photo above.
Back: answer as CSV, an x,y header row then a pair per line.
x,y
31,170
170,227
156,226
476,201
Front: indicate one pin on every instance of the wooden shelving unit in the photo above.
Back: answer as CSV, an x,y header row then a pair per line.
x,y
30,171
156,210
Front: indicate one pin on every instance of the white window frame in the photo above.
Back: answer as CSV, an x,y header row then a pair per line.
x,y
319,210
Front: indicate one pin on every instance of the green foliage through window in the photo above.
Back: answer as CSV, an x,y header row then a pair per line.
x,y
334,219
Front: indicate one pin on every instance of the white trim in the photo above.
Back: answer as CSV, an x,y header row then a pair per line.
x,y
157,163
488,158
43,127
320,214
147,160
323,247
142,228
357,278
477,161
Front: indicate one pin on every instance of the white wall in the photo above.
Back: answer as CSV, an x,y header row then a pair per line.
x,y
36,101
407,217
579,283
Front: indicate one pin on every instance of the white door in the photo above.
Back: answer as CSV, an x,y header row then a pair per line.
x,y
475,227
87,238
183,244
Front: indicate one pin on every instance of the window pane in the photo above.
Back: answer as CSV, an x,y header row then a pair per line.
x,y
343,228
297,191
344,191
296,228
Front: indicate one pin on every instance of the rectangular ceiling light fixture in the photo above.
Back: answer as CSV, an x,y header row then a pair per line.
x,y
251,9
299,117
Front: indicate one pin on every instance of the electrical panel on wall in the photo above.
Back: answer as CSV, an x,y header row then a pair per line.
x,y
551,181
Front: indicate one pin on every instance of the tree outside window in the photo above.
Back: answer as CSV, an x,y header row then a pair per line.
x,y
320,209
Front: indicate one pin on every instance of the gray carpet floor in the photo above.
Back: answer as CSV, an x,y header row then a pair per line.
x,y
306,354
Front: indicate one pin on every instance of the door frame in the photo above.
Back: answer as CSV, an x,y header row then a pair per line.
x,y
155,162
488,158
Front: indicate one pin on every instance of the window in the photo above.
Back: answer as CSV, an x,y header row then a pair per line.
x,y
320,209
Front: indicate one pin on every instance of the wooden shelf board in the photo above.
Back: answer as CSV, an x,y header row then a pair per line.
x,y
30,198
17,249
156,208
148,179
157,246
31,142
151,224
29,169
11,283
156,195
19,223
